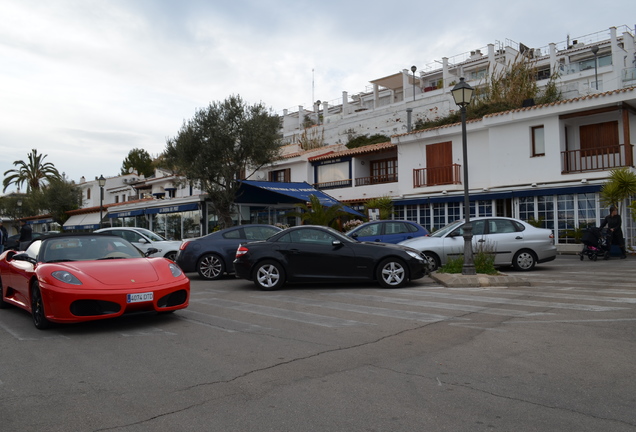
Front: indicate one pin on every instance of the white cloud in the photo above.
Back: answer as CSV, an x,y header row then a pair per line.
x,y
85,81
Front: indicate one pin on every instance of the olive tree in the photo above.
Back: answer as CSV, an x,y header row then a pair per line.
x,y
221,144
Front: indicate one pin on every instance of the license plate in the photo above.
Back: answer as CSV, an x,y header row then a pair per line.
x,y
139,297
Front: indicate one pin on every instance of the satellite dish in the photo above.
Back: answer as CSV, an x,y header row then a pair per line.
x,y
130,170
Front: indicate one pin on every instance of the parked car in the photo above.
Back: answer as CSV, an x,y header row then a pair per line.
x,y
513,241
212,255
145,239
387,231
70,278
309,253
14,244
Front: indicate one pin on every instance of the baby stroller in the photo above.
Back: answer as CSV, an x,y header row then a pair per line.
x,y
596,243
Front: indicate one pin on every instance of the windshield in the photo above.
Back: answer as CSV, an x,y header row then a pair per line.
x,y
150,234
448,228
87,248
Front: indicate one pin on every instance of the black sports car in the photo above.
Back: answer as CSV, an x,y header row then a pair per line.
x,y
320,254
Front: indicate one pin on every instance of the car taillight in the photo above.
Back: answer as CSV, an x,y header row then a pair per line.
x,y
183,245
242,250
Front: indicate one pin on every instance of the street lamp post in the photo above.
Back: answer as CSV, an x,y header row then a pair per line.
x,y
462,94
594,50
413,69
101,181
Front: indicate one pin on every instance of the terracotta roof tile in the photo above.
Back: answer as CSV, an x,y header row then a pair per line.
x,y
372,148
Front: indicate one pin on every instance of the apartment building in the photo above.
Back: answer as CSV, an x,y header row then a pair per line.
x,y
541,162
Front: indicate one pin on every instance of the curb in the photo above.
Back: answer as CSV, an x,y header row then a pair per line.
x,y
452,280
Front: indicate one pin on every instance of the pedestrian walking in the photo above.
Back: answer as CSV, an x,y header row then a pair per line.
x,y
614,223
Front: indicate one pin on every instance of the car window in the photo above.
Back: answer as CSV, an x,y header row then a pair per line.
x,y
478,228
500,226
150,234
369,230
395,228
411,228
234,234
308,236
259,233
131,236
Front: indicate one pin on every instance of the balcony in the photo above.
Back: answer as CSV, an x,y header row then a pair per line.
x,y
443,175
333,184
377,179
596,159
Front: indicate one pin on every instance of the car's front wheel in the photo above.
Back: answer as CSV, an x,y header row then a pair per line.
x,y
172,256
269,275
211,267
37,308
433,260
524,260
392,273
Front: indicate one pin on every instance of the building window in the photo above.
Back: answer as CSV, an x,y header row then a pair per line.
x,y
88,193
538,141
384,171
282,176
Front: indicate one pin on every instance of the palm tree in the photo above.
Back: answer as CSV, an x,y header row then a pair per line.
x,y
315,213
33,173
620,186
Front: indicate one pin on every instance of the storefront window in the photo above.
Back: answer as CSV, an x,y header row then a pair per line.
x,y
566,223
587,210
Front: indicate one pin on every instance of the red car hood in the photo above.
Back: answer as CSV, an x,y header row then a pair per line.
x,y
117,272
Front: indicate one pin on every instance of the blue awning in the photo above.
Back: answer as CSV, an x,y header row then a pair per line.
x,y
257,192
128,213
173,209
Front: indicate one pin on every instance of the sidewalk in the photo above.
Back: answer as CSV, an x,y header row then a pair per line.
x,y
510,277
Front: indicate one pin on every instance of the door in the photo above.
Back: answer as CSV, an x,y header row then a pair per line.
x,y
439,164
311,254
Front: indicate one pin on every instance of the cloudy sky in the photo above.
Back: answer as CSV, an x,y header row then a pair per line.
x,y
86,81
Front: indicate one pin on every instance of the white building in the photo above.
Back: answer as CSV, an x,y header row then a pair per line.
x,y
542,162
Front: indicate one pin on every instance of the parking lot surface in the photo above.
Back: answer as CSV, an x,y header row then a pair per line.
x,y
556,354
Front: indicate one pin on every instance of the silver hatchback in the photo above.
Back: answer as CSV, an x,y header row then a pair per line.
x,y
513,241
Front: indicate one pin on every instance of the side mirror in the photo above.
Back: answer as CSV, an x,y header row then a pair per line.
x,y
24,257
336,243
150,251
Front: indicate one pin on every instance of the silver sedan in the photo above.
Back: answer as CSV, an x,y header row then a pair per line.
x,y
514,242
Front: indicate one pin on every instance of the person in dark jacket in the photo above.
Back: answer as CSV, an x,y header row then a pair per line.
x,y
614,222
26,235
4,236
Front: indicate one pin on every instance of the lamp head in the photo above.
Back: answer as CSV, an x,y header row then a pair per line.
x,y
462,93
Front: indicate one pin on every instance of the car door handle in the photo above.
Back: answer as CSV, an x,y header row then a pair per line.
x,y
481,240
409,237
518,238
376,240
295,251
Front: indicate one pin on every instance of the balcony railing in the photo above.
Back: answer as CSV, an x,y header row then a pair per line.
x,y
333,184
597,159
377,179
437,176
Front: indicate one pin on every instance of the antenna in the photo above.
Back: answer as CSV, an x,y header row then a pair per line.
x,y
312,86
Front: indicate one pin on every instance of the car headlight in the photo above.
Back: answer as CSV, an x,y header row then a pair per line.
x,y
175,270
66,277
415,255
